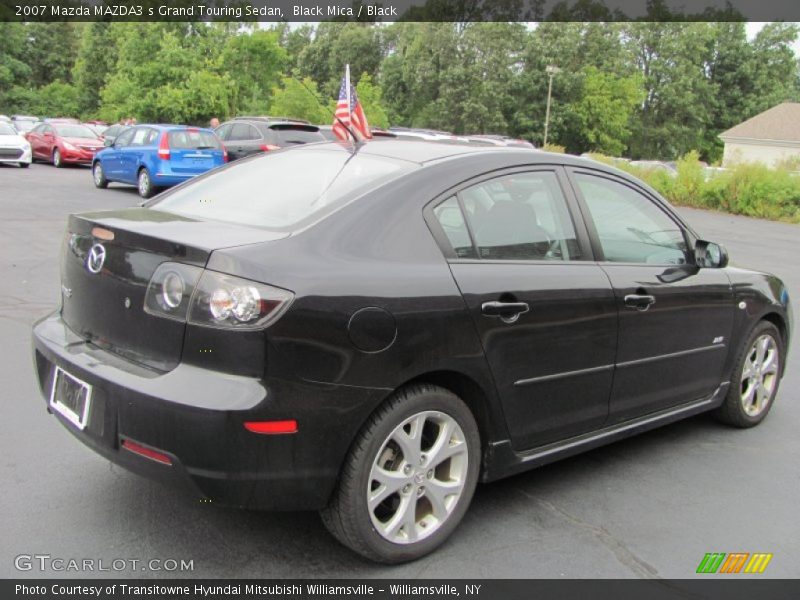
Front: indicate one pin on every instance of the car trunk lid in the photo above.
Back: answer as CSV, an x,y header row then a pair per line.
x,y
103,298
194,151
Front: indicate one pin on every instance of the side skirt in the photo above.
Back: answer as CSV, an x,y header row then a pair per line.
x,y
501,460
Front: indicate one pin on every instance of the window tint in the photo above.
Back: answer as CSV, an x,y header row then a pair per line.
x,y
75,131
224,132
279,190
287,135
140,135
521,217
193,139
630,226
124,138
243,131
450,217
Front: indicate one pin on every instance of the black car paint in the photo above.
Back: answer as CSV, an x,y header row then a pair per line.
x,y
379,303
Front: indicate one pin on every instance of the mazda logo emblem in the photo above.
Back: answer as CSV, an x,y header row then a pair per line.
x,y
96,258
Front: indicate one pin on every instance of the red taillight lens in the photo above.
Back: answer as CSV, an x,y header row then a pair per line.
x,y
146,452
272,427
268,147
163,147
224,154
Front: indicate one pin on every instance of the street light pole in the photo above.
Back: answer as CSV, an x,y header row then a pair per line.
x,y
551,71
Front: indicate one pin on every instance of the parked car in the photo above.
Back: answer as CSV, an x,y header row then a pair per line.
x,y
110,133
502,140
370,333
157,156
5,119
98,128
24,123
244,136
63,143
14,148
327,133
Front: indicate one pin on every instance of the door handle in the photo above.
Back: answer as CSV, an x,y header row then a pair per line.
x,y
639,301
508,312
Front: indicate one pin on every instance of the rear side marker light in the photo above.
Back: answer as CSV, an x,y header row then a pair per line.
x,y
268,147
146,452
272,427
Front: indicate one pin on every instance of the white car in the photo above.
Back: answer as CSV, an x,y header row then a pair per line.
x,y
13,147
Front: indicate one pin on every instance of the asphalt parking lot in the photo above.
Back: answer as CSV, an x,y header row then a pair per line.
x,y
651,506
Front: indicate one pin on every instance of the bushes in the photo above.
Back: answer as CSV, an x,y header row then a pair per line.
x,y
750,189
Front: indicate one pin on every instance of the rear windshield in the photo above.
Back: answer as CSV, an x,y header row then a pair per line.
x,y
75,131
293,134
282,190
193,139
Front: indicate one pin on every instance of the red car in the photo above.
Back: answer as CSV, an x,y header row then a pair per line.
x,y
64,143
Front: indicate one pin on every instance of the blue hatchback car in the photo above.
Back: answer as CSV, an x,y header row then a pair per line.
x,y
158,156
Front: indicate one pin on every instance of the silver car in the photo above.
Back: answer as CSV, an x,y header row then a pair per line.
x,y
13,147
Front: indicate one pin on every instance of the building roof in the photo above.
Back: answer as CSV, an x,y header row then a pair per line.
x,y
779,123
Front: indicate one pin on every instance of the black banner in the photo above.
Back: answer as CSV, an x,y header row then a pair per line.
x,y
734,588
399,10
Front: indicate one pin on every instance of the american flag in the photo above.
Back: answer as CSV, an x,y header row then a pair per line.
x,y
349,111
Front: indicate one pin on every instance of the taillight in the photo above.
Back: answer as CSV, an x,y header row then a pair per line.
x,y
190,294
233,303
163,147
268,147
224,154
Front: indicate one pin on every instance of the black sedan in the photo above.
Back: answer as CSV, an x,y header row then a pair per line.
x,y
370,330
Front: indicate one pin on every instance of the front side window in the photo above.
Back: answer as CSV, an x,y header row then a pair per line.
x,y
630,227
523,216
124,138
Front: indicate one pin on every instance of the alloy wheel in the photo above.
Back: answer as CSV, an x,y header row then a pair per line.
x,y
759,375
417,477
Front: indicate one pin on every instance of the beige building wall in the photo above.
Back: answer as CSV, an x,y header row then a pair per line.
x,y
769,153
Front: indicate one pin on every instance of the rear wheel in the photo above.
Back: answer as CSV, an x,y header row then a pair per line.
x,y
58,161
145,184
24,165
755,379
99,175
409,477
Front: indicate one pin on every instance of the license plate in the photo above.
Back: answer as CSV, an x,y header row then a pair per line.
x,y
71,397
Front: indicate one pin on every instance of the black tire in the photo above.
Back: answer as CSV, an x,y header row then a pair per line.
x,y
99,176
58,161
733,412
24,165
348,516
146,190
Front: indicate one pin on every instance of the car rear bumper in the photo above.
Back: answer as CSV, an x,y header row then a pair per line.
x,y
196,417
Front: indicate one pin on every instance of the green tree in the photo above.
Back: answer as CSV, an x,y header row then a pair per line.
x,y
299,101
96,59
254,62
370,96
605,109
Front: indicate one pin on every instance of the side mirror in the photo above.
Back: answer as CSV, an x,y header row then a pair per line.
x,y
710,255
108,142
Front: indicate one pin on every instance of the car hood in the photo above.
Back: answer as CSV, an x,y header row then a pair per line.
x,y
83,142
13,141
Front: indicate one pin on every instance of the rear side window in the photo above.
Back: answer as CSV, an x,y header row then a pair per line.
x,y
243,131
523,216
450,217
193,139
280,190
286,135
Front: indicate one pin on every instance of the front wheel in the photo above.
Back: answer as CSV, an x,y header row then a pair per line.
x,y
409,477
24,165
145,184
755,379
58,161
99,175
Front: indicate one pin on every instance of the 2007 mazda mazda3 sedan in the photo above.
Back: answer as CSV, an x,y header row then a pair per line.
x,y
370,330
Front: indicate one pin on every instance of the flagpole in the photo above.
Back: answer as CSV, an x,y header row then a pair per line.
x,y
347,85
